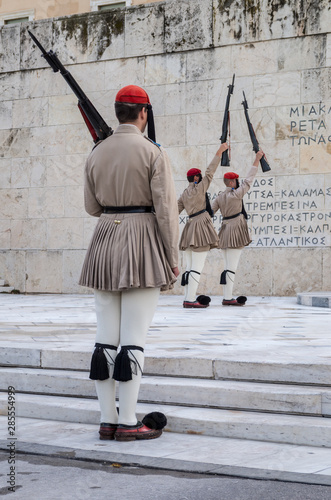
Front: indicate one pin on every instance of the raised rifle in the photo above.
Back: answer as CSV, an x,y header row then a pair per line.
x,y
264,164
225,161
97,126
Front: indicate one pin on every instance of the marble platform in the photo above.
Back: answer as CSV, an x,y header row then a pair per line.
x,y
245,389
315,299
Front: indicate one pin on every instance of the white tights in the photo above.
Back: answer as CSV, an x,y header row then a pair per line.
x,y
231,258
194,262
123,318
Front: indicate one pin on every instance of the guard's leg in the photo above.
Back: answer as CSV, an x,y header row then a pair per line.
x,y
185,277
108,311
138,307
231,258
198,261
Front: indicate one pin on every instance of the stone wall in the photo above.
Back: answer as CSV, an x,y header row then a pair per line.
x,y
184,53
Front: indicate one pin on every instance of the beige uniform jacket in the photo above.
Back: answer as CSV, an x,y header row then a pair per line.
x,y
234,232
193,198
130,250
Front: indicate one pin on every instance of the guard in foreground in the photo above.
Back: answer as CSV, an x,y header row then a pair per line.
x,y
133,255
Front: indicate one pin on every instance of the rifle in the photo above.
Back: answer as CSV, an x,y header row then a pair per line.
x,y
264,164
97,126
225,162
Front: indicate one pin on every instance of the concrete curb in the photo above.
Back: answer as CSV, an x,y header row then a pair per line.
x,y
168,464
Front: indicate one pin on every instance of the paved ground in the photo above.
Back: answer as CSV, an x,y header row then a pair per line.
x,y
270,329
49,478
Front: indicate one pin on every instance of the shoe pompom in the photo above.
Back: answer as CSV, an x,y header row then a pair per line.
x,y
241,299
203,299
155,420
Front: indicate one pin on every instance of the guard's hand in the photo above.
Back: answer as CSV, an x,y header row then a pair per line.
x,y
259,155
175,270
223,147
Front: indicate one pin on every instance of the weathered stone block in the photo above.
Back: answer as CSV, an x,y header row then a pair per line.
x,y
14,85
74,201
30,54
13,263
63,110
89,226
65,233
72,266
5,234
170,130
70,39
229,23
316,85
255,58
106,38
117,73
30,112
313,48
328,50
202,128
162,69
67,170
326,269
15,142
276,90
188,25
209,64
28,234
6,115
184,158
293,270
144,30
46,203
13,202
47,141
5,172
42,271
9,48
45,83
28,172
77,140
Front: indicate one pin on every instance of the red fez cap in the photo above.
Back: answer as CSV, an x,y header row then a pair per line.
x,y
231,175
132,94
193,171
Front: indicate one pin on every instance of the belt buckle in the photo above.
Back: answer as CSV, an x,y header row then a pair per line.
x,y
116,221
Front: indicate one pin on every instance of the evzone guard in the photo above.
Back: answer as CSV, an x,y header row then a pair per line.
x,y
133,254
199,235
233,235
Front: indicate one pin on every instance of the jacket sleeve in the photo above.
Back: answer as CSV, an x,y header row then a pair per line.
x,y
246,184
215,206
211,169
180,204
166,206
92,205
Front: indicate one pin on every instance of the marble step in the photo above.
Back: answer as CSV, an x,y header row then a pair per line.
x,y
292,429
252,396
312,372
6,289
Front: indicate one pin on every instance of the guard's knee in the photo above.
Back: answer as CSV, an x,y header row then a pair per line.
x,y
101,359
125,366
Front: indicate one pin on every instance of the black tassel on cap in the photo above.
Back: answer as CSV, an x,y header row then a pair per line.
x,y
155,420
99,366
150,123
122,368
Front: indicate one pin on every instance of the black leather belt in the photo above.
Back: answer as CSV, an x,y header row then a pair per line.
x,y
197,213
232,216
127,210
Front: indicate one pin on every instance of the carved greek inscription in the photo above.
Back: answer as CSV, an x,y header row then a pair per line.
x,y
308,124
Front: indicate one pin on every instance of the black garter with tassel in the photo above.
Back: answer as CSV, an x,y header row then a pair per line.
x,y
223,276
123,364
99,365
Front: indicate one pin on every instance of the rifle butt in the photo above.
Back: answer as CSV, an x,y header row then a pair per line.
x,y
225,161
264,165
